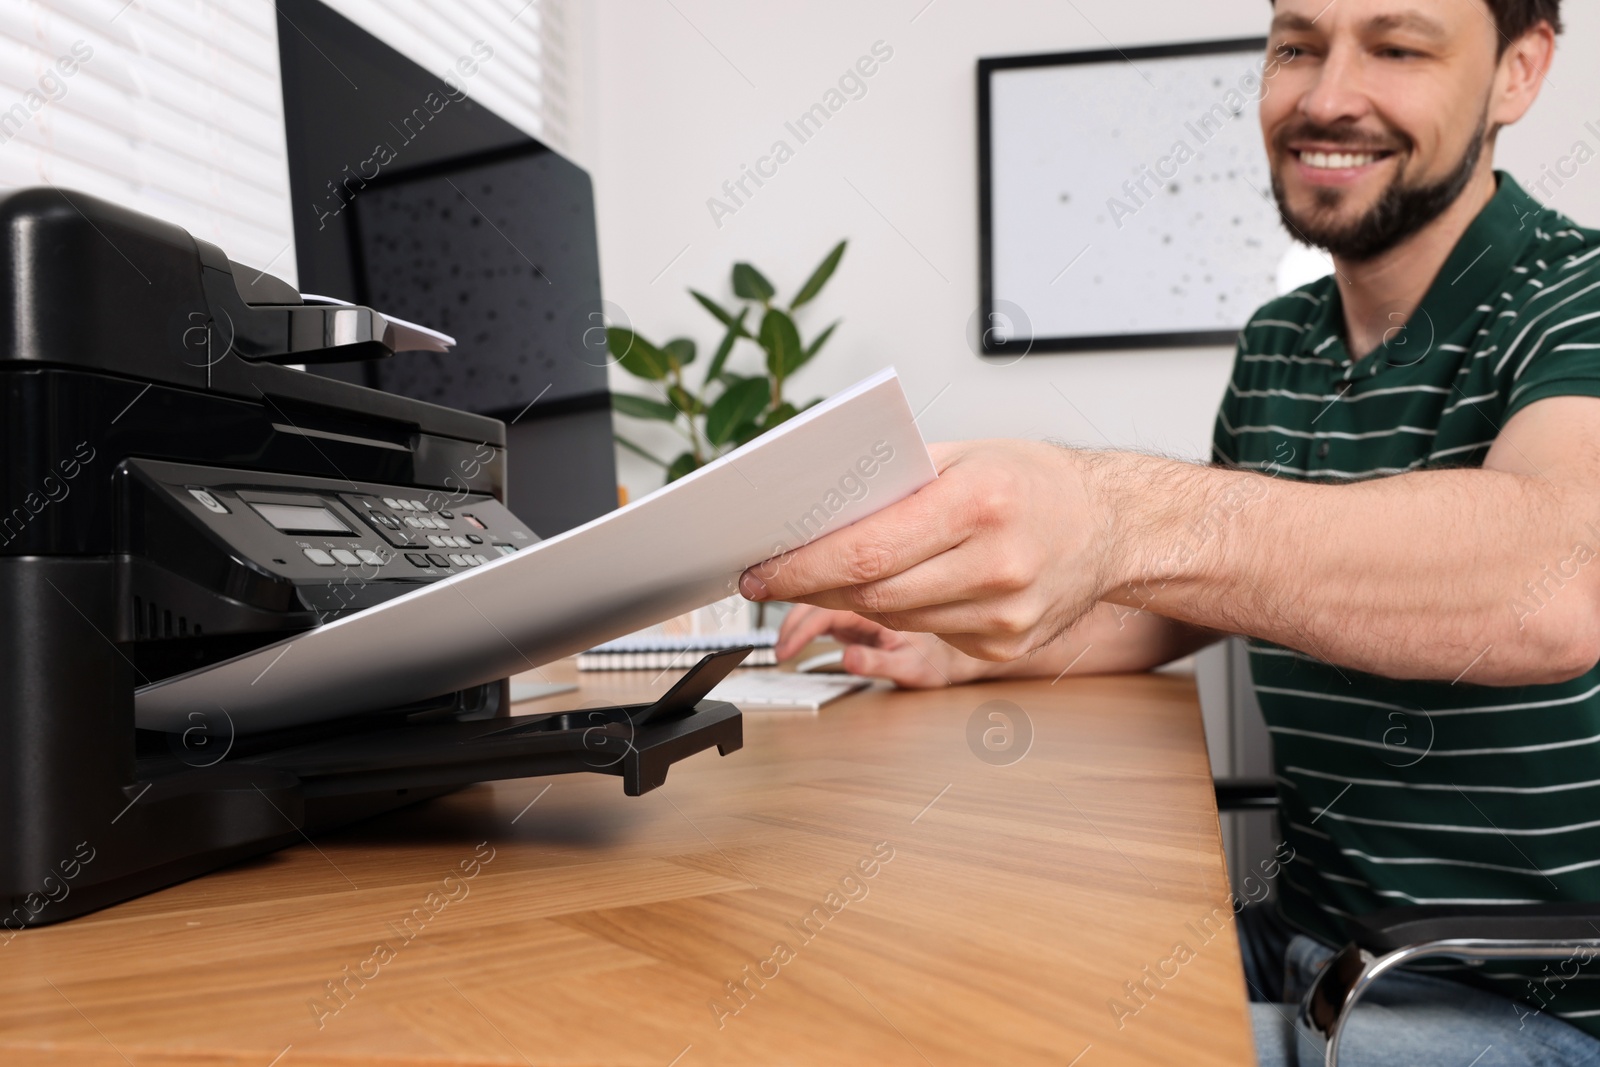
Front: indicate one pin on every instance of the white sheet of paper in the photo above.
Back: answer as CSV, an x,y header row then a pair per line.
x,y
680,548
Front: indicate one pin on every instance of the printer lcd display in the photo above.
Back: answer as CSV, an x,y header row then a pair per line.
x,y
296,518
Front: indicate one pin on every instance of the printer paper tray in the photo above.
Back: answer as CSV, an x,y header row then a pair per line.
x,y
605,740
638,742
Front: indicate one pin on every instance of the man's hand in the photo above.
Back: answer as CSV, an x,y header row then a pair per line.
x,y
911,661
1000,555
1109,640
1483,574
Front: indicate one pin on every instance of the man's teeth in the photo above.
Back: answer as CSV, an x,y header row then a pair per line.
x,y
1337,160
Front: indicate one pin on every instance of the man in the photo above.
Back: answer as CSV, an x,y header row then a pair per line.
x,y
1401,517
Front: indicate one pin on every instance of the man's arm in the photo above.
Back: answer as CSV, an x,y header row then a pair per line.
x,y
1486,575
1111,639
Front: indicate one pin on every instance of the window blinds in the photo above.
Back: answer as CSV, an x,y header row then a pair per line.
x,y
173,108
525,81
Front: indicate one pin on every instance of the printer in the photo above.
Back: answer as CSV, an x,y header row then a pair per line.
x,y
174,491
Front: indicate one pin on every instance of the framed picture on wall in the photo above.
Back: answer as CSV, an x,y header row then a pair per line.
x,y
1125,199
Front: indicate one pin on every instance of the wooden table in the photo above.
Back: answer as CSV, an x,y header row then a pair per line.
x,y
853,887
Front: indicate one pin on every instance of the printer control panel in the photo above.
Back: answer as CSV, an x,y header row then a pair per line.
x,y
296,546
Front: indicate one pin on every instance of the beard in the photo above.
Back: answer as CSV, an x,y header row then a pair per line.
x,y
1400,212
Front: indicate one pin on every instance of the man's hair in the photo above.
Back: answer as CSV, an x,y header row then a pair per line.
x,y
1513,18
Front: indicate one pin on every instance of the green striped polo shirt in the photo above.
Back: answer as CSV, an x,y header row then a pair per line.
x,y
1406,792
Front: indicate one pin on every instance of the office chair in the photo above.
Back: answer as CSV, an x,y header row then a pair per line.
x,y
1393,937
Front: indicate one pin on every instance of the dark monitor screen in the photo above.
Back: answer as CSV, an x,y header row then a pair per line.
x,y
411,197
458,249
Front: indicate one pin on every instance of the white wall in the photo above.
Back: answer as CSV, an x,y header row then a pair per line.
x,y
678,95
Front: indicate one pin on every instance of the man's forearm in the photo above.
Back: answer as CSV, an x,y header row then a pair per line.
x,y
1111,639
1443,575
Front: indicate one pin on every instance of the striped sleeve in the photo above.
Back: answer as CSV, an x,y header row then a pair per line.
x,y
1558,352
1570,368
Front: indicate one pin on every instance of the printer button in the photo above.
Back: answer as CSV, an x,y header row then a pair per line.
x,y
437,560
319,557
474,539
417,505
391,503
370,557
413,522
435,540
446,514
457,561
347,557
418,559
209,502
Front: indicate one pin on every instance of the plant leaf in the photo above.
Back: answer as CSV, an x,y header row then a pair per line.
x,y
746,431
736,330
782,342
750,284
642,407
637,356
636,450
819,277
680,349
723,316
816,345
782,413
681,466
742,401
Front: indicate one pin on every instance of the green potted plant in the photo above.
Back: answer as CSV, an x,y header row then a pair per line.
x,y
726,409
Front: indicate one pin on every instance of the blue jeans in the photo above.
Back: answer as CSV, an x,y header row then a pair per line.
x,y
1404,1020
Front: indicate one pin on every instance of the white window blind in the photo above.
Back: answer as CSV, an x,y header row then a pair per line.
x,y
525,81
175,107
170,107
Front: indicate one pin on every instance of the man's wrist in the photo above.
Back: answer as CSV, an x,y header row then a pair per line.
x,y
1165,522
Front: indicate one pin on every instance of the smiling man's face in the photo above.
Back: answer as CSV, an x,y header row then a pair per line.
x,y
1377,116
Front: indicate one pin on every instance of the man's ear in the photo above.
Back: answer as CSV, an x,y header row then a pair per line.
x,y
1521,73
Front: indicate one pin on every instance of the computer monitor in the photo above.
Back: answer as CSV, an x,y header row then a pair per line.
x,y
415,199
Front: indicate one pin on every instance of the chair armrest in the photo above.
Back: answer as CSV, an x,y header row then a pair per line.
x,y
1247,794
1389,929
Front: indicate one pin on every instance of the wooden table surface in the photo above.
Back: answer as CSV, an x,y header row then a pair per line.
x,y
856,886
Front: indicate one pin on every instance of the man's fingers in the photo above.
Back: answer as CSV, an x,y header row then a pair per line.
x,y
963,575
807,623
1002,628
901,535
904,666
801,626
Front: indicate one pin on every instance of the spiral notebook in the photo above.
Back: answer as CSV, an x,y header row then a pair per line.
x,y
658,652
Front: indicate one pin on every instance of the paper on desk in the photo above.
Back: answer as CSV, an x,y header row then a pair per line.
x,y
680,548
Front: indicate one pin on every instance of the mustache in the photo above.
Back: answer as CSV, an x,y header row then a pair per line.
x,y
1347,137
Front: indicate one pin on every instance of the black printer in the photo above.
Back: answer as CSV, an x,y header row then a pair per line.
x,y
171,495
